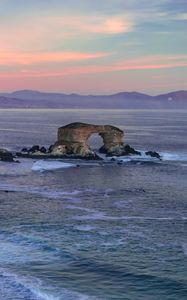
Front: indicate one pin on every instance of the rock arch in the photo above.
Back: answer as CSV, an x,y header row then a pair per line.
x,y
72,139
95,141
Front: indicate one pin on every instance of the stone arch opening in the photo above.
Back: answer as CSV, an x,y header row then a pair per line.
x,y
95,141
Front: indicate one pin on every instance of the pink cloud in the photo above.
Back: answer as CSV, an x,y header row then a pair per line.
x,y
105,25
24,58
97,24
94,69
53,71
41,32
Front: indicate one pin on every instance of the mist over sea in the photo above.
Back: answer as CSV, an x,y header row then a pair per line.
x,y
97,231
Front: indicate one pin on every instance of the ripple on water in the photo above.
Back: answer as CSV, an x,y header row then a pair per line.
x,y
184,248
85,227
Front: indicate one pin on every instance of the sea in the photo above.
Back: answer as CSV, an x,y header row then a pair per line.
x,y
83,230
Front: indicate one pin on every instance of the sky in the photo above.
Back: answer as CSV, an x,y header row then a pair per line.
x,y
93,47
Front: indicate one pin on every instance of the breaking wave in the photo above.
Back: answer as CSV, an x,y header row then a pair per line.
x,y
43,165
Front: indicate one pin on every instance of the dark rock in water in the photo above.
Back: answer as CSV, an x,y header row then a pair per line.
x,y
93,156
123,150
33,151
6,155
34,148
43,150
129,150
153,154
113,159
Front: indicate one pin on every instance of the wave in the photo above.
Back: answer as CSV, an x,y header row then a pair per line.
x,y
37,289
43,191
47,165
74,207
103,217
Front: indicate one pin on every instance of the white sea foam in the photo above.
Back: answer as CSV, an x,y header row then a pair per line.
x,y
47,165
166,156
136,158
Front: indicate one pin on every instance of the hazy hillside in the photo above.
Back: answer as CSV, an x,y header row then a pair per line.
x,y
128,100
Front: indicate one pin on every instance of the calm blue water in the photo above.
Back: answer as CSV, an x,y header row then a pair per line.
x,y
97,231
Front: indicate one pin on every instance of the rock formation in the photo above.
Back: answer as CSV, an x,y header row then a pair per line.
x,y
72,139
72,143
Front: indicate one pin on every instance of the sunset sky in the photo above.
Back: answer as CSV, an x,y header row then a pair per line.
x,y
98,47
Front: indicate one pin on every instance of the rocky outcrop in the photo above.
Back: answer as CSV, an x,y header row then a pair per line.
x,y
72,143
72,139
35,149
6,155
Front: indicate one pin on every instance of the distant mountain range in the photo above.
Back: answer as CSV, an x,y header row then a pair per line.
x,y
123,100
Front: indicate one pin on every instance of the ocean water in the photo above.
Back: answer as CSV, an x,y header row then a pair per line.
x,y
100,230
